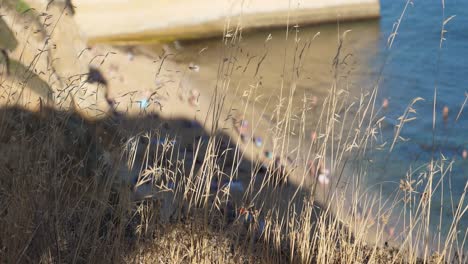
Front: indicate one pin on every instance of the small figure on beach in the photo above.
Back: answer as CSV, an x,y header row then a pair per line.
x,y
322,173
314,100
130,55
258,141
244,124
95,76
385,103
193,67
391,232
242,128
323,179
143,103
313,136
445,113
465,154
249,214
244,138
146,99
178,45
193,99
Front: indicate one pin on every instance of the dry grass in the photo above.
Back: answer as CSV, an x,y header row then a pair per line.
x,y
76,191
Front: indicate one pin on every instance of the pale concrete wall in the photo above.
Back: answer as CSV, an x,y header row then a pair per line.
x,y
150,20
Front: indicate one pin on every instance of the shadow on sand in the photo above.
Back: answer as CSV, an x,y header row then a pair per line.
x,y
69,194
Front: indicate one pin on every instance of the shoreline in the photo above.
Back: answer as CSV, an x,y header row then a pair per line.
x,y
176,22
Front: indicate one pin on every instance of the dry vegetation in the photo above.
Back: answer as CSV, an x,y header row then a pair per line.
x,y
76,191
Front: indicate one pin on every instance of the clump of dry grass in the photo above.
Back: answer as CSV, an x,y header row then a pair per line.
x,y
66,192
57,195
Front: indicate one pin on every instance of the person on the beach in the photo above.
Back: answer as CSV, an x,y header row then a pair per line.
x,y
95,76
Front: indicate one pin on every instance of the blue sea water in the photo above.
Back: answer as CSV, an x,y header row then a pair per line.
x,y
417,65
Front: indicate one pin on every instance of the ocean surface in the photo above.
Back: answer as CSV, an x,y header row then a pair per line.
x,y
419,65
300,65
